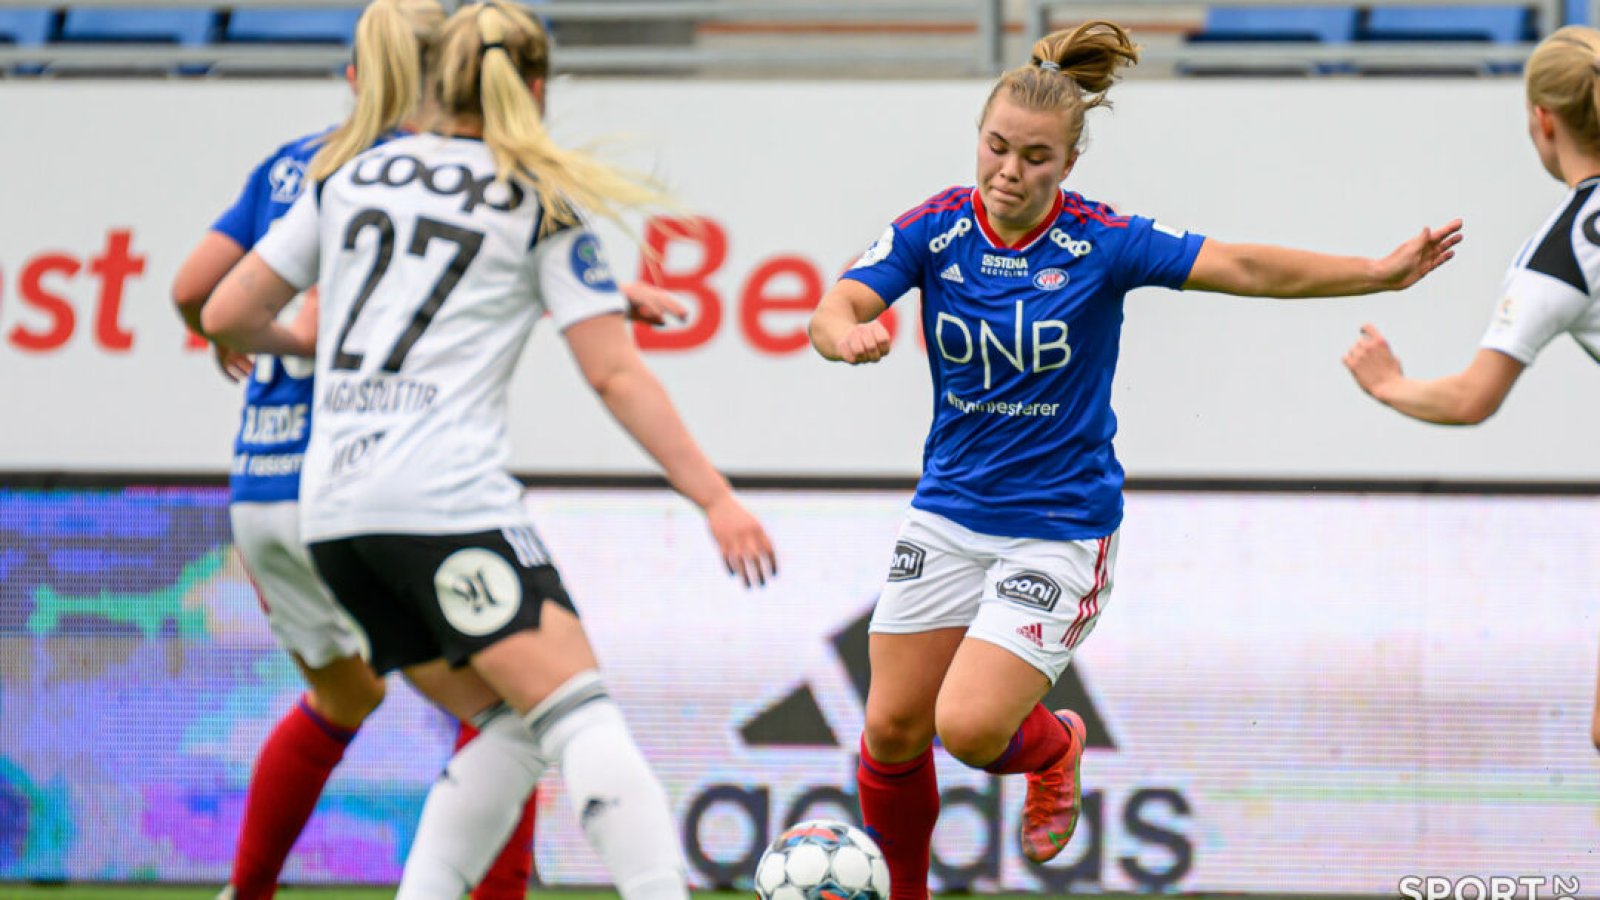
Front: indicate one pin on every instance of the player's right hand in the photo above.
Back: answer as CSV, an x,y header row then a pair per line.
x,y
1371,360
865,343
234,365
746,550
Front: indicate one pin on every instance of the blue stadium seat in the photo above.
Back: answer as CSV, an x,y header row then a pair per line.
x,y
26,27
1577,12
1328,24
1496,24
188,27
294,26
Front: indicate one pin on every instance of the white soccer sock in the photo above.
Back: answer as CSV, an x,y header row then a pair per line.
x,y
472,809
623,808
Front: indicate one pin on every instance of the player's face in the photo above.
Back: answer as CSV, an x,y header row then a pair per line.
x,y
1022,158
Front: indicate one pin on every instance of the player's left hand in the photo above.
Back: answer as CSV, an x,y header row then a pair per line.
x,y
652,305
1371,361
235,366
1412,261
745,547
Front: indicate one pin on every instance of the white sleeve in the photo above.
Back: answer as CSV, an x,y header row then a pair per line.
x,y
573,279
1533,310
292,246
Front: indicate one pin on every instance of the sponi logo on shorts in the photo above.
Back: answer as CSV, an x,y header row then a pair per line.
x,y
907,562
589,266
1033,589
446,180
479,591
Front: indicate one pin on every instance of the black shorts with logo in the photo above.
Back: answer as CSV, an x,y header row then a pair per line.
x,y
420,597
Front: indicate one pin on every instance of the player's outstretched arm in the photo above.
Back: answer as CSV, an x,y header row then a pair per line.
x,y
243,311
1465,398
1263,270
845,326
606,353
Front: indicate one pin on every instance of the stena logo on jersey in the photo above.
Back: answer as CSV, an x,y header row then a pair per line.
x,y
590,266
288,177
879,251
940,242
446,181
1050,280
1066,242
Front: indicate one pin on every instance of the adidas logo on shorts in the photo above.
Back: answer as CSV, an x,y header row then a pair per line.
x,y
1034,633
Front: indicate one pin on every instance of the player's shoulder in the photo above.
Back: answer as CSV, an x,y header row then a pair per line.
x,y
303,147
950,203
1567,247
1091,215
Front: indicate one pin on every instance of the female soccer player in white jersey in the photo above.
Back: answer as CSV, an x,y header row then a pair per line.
x,y
1553,286
434,255
1005,559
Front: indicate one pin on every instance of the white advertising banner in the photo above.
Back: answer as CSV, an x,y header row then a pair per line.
x,y
111,184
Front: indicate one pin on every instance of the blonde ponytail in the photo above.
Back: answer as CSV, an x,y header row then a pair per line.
x,y
1564,78
392,39
1069,72
487,54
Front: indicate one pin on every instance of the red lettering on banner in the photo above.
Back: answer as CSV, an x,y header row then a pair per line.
x,y
659,234
114,266
33,293
756,300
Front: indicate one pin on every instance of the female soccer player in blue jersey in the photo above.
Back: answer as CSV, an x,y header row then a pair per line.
x,y
1553,286
1005,559
393,39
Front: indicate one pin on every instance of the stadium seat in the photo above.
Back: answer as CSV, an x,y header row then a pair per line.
x,y
1495,24
26,27
1577,12
1328,24
189,27
293,26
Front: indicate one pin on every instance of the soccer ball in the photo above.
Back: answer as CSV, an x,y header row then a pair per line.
x,y
822,860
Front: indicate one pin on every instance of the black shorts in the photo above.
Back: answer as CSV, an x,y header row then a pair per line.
x,y
420,597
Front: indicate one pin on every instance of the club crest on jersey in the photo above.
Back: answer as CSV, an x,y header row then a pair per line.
x,y
907,562
590,266
1050,280
1029,588
288,177
879,251
479,592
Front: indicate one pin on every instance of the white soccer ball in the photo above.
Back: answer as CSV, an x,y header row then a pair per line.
x,y
822,860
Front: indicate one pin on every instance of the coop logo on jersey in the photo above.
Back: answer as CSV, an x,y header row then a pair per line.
x,y
445,181
879,251
288,177
1032,589
1070,244
590,266
479,591
1050,280
907,562
942,241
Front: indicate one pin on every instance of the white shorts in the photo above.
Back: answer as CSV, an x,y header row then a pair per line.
x,y
301,611
1037,598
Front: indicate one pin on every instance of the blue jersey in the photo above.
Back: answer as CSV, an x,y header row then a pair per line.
x,y
276,423
1022,343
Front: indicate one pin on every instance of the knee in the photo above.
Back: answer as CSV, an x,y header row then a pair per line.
x,y
896,736
971,737
348,702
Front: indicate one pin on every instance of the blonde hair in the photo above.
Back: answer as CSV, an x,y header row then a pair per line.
x,y
393,39
487,53
1069,72
1564,78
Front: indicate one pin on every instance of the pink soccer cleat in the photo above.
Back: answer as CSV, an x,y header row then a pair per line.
x,y
1050,813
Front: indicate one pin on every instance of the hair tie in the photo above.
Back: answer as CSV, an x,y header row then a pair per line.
x,y
1049,65
492,45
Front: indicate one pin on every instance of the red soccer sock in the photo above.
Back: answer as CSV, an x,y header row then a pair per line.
x,y
508,877
293,765
900,804
1039,743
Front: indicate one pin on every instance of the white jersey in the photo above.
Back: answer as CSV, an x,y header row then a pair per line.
x,y
1553,288
431,278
